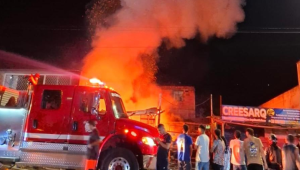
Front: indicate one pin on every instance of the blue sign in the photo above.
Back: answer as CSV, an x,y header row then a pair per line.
x,y
258,114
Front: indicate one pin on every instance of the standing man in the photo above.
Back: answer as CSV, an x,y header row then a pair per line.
x,y
185,150
202,146
162,162
273,154
237,149
93,145
254,152
290,154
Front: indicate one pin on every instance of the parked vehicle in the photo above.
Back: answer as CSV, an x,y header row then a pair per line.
x,y
49,130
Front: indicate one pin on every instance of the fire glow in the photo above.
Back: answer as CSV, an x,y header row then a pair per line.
x,y
124,54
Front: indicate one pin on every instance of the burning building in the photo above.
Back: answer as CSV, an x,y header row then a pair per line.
x,y
183,104
126,42
180,106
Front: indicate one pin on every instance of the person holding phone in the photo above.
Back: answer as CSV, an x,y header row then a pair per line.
x,y
162,162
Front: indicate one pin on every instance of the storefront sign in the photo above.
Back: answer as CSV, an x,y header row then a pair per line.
x,y
257,114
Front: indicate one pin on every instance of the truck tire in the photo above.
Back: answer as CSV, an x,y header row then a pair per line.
x,y
120,159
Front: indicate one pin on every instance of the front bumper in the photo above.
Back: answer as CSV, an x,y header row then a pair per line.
x,y
149,162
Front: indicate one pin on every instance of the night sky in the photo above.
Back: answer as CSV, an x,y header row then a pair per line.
x,y
248,69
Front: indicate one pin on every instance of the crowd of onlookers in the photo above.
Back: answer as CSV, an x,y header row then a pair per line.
x,y
242,155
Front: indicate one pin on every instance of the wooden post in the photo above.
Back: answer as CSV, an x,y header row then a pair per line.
x,y
159,108
221,106
223,124
211,120
223,128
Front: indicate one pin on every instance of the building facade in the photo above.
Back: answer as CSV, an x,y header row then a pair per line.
x,y
182,103
178,105
289,99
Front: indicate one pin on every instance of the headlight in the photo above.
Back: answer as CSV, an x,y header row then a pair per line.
x,y
148,141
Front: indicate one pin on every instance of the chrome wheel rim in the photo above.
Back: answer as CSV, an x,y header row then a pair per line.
x,y
119,163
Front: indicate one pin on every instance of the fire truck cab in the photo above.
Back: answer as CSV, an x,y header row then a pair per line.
x,y
50,131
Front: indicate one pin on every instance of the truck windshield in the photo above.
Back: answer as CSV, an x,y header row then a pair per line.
x,y
117,106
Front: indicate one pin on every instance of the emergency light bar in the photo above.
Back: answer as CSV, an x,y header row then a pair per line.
x,y
96,81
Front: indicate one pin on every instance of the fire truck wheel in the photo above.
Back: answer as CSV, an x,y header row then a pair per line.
x,y
120,159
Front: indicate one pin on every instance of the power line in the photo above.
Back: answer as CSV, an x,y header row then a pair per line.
x,y
203,102
169,102
270,30
43,28
195,105
81,28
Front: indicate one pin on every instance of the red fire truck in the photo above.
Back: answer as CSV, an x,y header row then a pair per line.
x,y
49,131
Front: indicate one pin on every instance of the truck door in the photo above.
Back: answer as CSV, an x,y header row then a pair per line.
x,y
49,116
88,104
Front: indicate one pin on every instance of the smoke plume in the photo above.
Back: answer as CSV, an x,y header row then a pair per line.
x,y
124,50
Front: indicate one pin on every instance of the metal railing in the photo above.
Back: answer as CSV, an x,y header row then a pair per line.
x,y
19,82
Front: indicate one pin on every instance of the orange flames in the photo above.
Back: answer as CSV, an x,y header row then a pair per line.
x,y
124,55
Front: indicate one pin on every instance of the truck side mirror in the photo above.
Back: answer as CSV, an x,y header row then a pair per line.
x,y
95,105
94,111
98,108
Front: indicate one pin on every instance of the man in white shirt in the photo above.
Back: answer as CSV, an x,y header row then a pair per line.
x,y
202,146
237,150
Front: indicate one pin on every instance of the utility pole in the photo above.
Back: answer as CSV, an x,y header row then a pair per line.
x,y
223,124
159,108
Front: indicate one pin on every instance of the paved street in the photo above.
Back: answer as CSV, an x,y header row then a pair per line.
x,y
8,167
173,166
